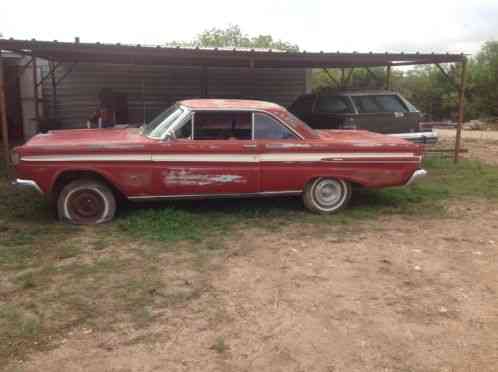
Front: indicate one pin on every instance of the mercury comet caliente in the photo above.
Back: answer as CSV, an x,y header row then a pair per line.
x,y
210,148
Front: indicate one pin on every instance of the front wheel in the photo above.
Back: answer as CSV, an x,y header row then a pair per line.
x,y
326,195
86,202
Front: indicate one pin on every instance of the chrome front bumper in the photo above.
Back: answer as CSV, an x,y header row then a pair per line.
x,y
419,173
27,184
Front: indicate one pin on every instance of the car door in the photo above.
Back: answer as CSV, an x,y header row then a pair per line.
x,y
332,112
382,113
204,158
281,171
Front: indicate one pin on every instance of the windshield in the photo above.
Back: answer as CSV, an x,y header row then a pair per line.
x,y
158,126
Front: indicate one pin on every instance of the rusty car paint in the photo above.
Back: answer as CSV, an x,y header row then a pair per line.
x,y
139,166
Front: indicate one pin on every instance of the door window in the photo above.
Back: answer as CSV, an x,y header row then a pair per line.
x,y
391,103
267,128
184,131
333,105
222,126
378,104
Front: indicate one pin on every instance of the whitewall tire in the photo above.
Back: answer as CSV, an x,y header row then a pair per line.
x,y
326,195
86,202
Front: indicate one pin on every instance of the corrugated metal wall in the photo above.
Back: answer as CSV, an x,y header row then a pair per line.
x,y
151,89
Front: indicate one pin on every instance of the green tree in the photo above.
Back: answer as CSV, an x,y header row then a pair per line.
x,y
483,80
232,36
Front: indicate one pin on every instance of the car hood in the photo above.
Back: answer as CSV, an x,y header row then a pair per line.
x,y
86,139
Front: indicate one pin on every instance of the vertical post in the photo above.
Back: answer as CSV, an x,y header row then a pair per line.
x,y
461,102
35,92
3,117
204,81
342,77
54,92
388,77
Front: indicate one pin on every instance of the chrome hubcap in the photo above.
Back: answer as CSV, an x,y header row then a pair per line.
x,y
329,192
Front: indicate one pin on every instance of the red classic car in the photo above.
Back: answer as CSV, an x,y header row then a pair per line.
x,y
210,148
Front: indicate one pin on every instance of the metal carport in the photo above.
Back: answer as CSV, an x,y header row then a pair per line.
x,y
59,53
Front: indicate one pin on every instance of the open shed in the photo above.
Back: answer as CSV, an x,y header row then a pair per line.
x,y
68,76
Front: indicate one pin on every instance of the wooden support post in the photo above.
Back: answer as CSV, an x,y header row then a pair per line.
x,y
331,77
3,118
35,92
388,77
461,102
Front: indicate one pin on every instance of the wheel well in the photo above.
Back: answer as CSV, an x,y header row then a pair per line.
x,y
354,184
68,176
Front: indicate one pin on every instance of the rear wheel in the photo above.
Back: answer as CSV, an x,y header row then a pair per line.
x,y
326,195
86,202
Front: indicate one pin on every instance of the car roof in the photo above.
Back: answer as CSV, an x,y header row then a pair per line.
x,y
230,104
352,92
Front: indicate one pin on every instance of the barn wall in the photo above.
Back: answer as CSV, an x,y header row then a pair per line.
x,y
150,89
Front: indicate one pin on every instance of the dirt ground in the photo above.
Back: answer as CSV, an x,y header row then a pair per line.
x,y
482,145
399,293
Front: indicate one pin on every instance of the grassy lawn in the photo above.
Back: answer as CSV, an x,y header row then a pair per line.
x,y
55,277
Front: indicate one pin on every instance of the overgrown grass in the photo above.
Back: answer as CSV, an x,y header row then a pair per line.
x,y
196,220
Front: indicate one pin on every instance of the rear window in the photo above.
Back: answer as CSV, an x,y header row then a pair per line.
x,y
380,103
333,105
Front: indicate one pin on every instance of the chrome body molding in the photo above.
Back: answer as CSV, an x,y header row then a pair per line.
x,y
419,173
215,196
418,137
224,158
27,184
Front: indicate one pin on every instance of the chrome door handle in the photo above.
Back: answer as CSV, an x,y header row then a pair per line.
x,y
251,146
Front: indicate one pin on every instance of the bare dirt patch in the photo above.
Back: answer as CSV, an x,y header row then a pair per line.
x,y
399,293
481,145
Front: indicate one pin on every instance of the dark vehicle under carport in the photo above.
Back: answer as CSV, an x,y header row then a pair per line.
x,y
377,111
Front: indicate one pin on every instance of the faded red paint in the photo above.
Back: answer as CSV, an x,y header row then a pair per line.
x,y
145,177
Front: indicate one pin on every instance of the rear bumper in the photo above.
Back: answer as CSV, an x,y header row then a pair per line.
x,y
27,184
428,137
419,173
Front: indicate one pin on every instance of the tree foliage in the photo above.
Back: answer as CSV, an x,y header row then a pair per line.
x,y
425,86
232,37
428,88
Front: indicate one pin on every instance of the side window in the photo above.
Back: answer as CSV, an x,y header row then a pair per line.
x,y
265,127
185,131
391,103
366,104
333,105
234,125
380,103
303,104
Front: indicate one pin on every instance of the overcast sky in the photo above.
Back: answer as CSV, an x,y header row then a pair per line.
x,y
361,25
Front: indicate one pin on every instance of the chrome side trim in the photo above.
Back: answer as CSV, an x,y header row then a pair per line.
x,y
231,158
88,157
418,137
419,173
215,196
28,184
